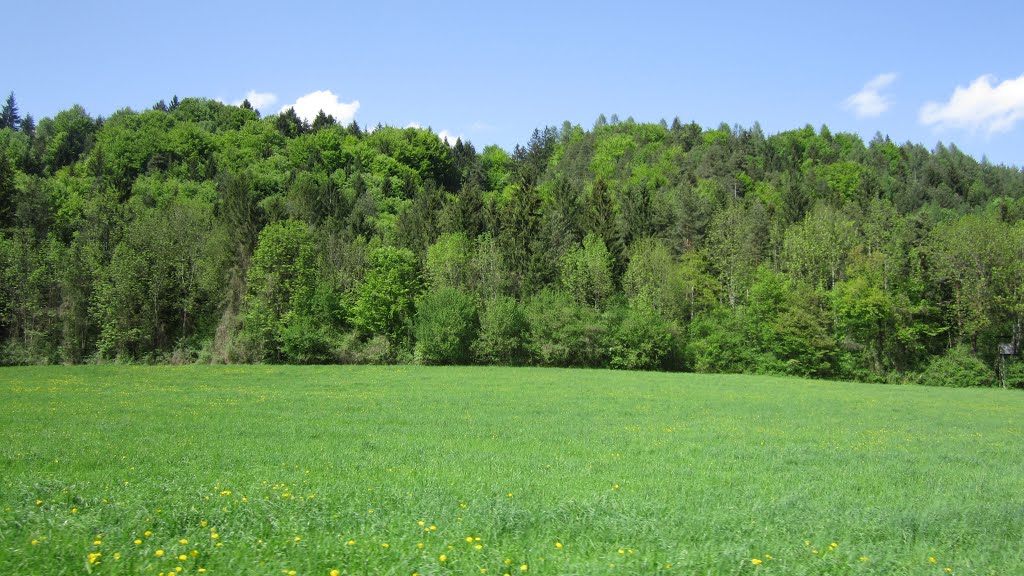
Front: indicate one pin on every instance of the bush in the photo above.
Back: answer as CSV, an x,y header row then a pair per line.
x,y
503,332
563,333
446,324
957,368
305,341
644,340
719,341
1014,377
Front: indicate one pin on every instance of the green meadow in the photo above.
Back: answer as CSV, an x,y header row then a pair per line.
x,y
414,470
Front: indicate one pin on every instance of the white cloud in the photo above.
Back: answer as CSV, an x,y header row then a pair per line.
x,y
446,135
308,106
869,102
259,100
443,134
979,106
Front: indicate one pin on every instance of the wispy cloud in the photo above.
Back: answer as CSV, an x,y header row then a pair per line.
x,y
870,102
259,100
308,106
980,106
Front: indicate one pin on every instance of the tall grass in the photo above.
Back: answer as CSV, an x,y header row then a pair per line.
x,y
402,470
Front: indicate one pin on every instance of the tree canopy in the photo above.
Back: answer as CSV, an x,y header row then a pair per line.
x,y
200,231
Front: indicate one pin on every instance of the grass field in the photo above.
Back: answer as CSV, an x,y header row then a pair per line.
x,y
403,470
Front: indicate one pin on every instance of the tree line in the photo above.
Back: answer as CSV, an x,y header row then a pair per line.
x,y
197,231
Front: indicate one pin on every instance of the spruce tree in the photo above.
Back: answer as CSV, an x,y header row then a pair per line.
x,y
9,114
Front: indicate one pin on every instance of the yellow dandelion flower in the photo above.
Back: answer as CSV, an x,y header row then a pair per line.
x,y
442,558
298,538
334,573
524,568
39,502
35,542
117,555
433,528
201,570
178,568
668,566
483,570
931,559
508,561
94,558
422,523
509,494
558,545
755,561
214,535
204,523
225,492
74,510
182,557
948,569
479,546
863,558
621,551
420,545
147,533
768,556
194,553
98,543
183,541
833,546
385,545
350,542
137,541
814,551
159,553
244,499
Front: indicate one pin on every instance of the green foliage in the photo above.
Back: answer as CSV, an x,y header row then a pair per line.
x,y
504,330
644,340
384,302
448,261
957,368
279,297
654,277
197,231
565,333
446,326
587,273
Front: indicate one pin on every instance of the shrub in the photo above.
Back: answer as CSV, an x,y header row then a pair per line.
x,y
446,324
957,368
644,340
563,333
503,332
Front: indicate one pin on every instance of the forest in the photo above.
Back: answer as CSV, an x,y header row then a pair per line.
x,y
201,232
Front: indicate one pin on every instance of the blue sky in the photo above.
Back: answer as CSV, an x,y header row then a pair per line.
x,y
492,72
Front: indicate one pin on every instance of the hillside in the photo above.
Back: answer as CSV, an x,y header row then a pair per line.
x,y
200,232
